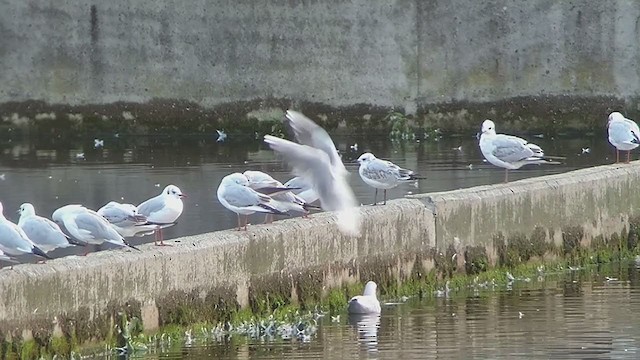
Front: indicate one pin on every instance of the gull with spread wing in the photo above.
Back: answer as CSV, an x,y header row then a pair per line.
x,y
315,159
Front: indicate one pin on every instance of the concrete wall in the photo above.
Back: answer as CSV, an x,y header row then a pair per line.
x,y
408,53
301,260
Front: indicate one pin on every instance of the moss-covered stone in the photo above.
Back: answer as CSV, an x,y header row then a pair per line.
x,y
476,260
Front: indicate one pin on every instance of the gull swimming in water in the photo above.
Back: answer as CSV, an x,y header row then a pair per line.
x,y
163,210
624,134
126,220
302,189
87,226
367,303
43,232
284,201
14,241
315,159
509,152
382,174
235,194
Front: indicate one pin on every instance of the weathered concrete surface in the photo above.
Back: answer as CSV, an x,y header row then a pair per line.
x,y
76,294
207,277
438,58
599,201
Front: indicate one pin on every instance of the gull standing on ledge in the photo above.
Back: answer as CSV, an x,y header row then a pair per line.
x,y
87,226
367,303
509,152
302,189
13,240
43,232
126,220
316,161
235,194
382,174
163,211
284,201
623,134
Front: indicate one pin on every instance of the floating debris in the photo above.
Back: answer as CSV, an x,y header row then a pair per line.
x,y
222,136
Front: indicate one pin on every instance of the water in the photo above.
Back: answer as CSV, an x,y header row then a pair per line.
x,y
567,315
132,169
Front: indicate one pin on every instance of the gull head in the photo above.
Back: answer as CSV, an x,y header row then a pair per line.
x,y
365,158
26,209
258,177
235,178
370,289
615,116
488,127
173,191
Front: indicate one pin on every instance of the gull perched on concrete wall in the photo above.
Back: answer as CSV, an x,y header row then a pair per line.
x,y
126,220
14,241
315,159
382,174
509,152
624,134
302,189
87,226
43,232
235,194
284,201
367,303
163,210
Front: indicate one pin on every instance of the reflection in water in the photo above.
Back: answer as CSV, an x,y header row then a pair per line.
x,y
366,327
571,315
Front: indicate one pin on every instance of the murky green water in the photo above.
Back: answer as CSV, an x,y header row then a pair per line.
x,y
588,314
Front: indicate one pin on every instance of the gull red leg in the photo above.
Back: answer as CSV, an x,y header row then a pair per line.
x,y
506,175
628,156
617,156
385,197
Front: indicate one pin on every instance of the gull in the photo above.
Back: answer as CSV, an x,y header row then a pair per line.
x,y
367,303
302,189
623,134
222,136
510,277
98,143
163,210
354,147
586,150
43,232
126,220
382,174
284,201
14,241
235,194
315,159
509,152
87,226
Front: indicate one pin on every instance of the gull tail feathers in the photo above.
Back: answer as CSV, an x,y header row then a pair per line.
x,y
349,221
37,251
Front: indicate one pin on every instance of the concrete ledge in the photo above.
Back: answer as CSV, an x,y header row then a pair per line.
x,y
231,266
205,277
600,201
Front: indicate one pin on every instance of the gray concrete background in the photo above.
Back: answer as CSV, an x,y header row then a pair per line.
x,y
385,53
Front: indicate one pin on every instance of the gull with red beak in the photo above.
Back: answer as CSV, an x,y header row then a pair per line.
x,y
163,210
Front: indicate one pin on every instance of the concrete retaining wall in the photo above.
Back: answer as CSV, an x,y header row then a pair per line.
x,y
403,53
301,260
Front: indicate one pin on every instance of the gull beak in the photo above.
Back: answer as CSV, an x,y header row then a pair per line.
x,y
182,196
18,211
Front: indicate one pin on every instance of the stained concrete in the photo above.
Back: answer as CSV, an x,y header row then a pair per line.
x,y
403,53
300,260
212,261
